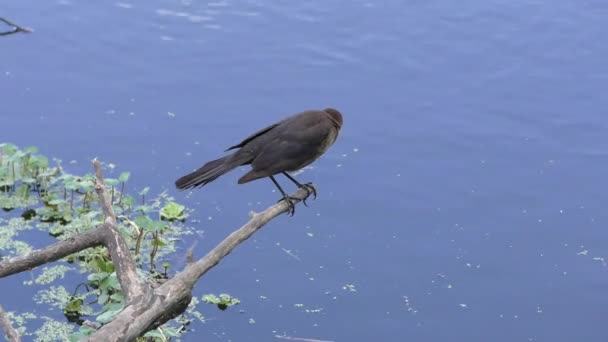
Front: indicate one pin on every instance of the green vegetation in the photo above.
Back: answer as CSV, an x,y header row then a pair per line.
x,y
222,302
38,196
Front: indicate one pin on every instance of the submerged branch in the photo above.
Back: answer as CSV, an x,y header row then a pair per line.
x,y
16,28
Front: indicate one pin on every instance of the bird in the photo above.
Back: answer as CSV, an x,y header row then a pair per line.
x,y
285,146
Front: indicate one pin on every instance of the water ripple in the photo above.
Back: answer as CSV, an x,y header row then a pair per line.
x,y
195,18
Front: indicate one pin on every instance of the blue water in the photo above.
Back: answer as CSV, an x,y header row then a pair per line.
x,y
465,199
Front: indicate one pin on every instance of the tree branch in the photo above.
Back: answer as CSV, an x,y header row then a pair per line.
x,y
123,261
174,295
194,271
5,324
16,28
56,251
106,205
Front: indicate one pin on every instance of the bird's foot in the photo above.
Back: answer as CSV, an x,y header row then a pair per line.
x,y
309,190
291,204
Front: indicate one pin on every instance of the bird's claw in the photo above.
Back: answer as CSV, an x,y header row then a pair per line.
x,y
291,201
310,189
290,204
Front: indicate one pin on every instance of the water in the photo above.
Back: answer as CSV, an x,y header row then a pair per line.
x,y
464,199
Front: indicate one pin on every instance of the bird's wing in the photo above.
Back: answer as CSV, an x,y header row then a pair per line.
x,y
280,156
291,151
253,136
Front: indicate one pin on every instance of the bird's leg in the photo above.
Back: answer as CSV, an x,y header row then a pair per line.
x,y
308,187
292,207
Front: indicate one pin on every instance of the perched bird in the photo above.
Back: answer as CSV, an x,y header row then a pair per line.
x,y
285,146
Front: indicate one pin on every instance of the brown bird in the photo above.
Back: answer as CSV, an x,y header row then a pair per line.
x,y
285,146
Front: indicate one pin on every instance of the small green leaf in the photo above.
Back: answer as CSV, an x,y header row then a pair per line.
x,y
211,299
74,305
8,149
124,177
82,334
31,149
170,332
156,334
144,191
23,191
103,265
118,297
108,316
144,222
158,242
103,298
57,201
111,181
110,282
223,302
113,306
173,211
128,201
97,277
40,162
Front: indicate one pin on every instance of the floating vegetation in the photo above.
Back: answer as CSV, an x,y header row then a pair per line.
x,y
222,302
35,195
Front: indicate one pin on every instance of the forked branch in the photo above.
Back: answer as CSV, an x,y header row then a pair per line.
x,y
16,28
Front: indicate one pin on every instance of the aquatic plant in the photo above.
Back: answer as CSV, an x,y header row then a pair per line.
x,y
36,195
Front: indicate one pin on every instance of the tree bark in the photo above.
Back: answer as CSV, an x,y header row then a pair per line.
x,y
61,249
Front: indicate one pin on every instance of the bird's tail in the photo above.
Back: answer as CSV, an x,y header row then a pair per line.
x,y
209,172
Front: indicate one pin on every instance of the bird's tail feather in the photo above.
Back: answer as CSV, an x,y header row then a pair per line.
x,y
209,172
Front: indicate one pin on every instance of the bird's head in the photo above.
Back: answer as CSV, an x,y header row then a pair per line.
x,y
335,116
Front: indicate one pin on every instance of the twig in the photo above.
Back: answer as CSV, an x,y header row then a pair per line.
x,y
190,253
106,205
123,261
6,325
16,28
290,338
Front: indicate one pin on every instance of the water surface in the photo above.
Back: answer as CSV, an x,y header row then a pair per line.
x,y
464,199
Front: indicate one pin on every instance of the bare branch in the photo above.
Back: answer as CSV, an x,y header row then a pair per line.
x,y
194,271
5,324
16,28
106,205
123,261
56,251
172,298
